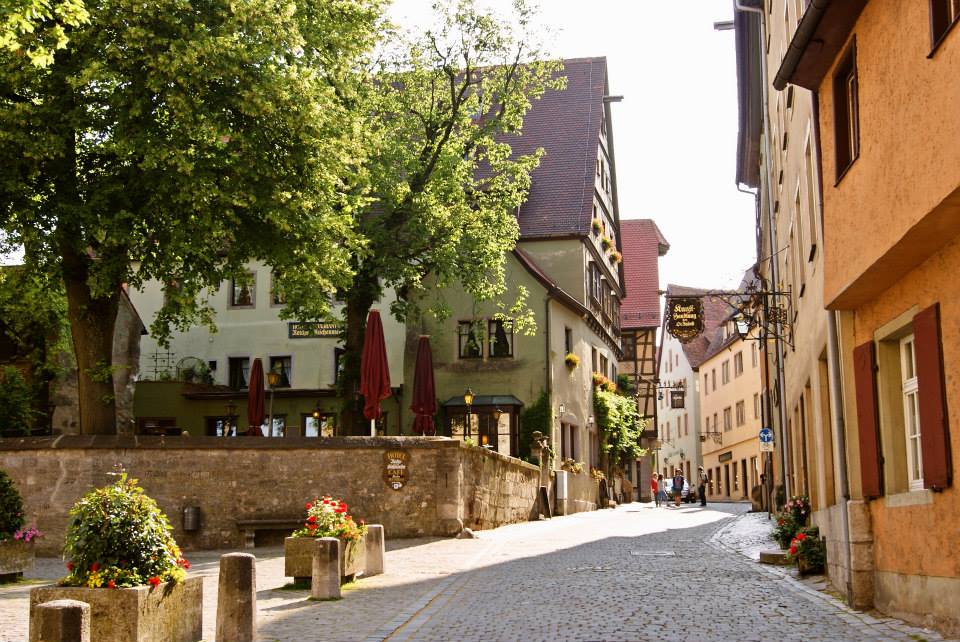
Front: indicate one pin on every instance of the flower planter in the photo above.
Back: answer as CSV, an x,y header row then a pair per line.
x,y
171,612
805,568
15,557
298,558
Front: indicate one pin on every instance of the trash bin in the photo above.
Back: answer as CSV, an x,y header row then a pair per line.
x,y
191,518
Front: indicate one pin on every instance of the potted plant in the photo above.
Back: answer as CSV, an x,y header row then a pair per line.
x,y
606,243
122,560
615,257
799,509
807,550
597,225
16,542
571,360
326,517
784,530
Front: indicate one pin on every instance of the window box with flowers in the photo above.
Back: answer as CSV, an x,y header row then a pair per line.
x,y
571,360
124,563
597,225
326,517
615,257
16,541
606,243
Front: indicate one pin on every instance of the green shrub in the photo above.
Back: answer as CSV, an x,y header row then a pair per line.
x,y
536,416
118,536
16,401
11,508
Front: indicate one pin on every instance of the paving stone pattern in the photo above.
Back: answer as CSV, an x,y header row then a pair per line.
x,y
634,573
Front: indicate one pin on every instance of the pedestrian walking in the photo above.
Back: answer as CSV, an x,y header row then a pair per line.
x,y
677,487
655,489
662,491
702,486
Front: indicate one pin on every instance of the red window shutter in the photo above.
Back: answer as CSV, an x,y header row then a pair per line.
x,y
868,424
932,399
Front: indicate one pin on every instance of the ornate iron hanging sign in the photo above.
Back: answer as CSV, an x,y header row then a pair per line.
x,y
684,318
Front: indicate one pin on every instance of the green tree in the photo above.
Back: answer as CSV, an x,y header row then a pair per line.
x,y
444,184
35,29
175,140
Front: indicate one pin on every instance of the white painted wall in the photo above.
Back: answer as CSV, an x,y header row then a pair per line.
x,y
675,368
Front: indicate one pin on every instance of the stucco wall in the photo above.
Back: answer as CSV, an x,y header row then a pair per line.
x,y
448,484
909,158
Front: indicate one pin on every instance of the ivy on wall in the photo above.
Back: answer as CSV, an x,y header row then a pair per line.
x,y
619,423
536,416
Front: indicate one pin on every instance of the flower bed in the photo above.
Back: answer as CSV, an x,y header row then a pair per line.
x,y
326,517
124,562
807,551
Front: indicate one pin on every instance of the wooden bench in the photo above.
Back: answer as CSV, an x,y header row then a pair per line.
x,y
249,527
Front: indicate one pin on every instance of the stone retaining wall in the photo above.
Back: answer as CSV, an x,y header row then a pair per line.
x,y
448,485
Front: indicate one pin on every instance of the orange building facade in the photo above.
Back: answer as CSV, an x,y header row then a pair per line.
x,y
885,76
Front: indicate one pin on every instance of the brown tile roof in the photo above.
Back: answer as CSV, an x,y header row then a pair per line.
x,y
715,310
566,124
642,245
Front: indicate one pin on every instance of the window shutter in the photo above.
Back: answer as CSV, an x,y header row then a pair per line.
x,y
868,425
931,394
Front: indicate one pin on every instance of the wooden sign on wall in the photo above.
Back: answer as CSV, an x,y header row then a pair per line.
x,y
395,468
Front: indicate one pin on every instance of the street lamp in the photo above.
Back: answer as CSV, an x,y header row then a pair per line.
x,y
273,378
231,413
468,399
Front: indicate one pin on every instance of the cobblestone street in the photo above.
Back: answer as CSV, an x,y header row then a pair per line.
x,y
635,573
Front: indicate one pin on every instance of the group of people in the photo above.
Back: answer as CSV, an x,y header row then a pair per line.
x,y
658,487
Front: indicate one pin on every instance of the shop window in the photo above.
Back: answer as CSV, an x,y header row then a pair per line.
x,y
277,429
322,425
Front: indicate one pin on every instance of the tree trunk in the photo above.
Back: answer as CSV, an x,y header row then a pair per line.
x,y
361,297
92,323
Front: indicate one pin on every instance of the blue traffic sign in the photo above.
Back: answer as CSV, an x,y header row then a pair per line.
x,y
766,436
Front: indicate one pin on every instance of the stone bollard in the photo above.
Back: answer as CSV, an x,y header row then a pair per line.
x,y
237,598
375,545
325,581
61,621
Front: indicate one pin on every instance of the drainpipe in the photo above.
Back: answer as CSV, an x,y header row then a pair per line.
x,y
771,222
834,374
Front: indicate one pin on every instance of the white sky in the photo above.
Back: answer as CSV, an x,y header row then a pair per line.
x,y
675,133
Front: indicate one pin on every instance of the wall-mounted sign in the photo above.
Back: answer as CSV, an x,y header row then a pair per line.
x,y
395,468
684,318
677,398
313,329
727,456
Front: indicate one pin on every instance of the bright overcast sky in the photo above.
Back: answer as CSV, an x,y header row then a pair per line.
x,y
675,131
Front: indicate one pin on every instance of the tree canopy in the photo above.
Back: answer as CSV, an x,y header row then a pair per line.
x,y
175,140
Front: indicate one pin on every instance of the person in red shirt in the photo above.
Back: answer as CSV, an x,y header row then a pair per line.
x,y
655,489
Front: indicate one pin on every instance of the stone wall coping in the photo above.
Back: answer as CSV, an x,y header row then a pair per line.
x,y
152,442
108,442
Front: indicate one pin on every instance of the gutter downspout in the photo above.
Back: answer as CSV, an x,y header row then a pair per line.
x,y
774,270
835,378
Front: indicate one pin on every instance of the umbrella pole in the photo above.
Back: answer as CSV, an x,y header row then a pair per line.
x,y
373,427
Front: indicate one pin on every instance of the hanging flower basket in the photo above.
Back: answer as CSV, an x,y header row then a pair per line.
x,y
606,243
571,360
615,257
597,225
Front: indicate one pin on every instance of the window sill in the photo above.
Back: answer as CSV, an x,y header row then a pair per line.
x,y
920,497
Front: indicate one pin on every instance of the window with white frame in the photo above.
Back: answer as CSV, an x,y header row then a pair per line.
x,y
725,372
756,405
738,364
500,333
741,413
911,412
727,419
243,291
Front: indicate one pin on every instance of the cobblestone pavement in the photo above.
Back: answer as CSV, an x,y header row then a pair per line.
x,y
634,573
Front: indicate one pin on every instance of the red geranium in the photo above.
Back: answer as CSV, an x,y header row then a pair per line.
x,y
95,567
70,566
154,581
793,550
800,537
309,505
111,584
312,519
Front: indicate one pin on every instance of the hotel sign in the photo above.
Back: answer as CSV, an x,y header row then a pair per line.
x,y
313,330
684,318
395,468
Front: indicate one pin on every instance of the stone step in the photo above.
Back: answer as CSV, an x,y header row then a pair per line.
x,y
778,558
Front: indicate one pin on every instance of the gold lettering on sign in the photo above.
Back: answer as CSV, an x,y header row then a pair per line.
x,y
684,318
395,468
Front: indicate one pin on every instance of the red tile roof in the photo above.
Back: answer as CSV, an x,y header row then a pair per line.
x,y
566,124
642,245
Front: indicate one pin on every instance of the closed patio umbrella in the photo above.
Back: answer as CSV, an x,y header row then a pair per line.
x,y
424,403
374,371
255,411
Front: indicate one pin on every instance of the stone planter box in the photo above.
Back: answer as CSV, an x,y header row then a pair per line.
x,y
171,612
15,557
298,558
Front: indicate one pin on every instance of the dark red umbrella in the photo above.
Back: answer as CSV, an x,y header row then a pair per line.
x,y
424,393
255,412
374,372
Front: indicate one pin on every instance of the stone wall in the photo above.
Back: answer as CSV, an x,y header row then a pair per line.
x,y
448,485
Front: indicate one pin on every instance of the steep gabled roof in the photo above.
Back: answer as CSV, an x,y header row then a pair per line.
x,y
566,124
642,244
